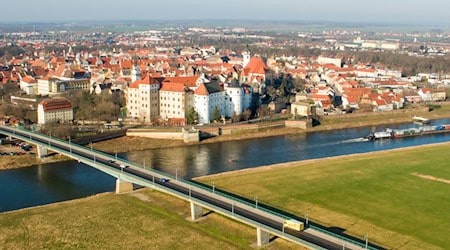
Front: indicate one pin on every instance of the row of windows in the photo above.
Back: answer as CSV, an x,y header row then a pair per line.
x,y
168,105
168,98
168,112
145,99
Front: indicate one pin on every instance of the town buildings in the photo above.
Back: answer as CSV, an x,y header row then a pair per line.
x,y
162,82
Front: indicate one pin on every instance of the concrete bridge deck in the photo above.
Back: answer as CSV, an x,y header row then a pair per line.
x,y
267,222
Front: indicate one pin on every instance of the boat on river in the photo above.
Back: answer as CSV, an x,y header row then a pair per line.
x,y
421,120
408,132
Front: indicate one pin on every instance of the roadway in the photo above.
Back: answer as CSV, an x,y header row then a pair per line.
x,y
215,200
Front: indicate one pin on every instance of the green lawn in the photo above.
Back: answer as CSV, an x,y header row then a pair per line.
x,y
375,194
141,220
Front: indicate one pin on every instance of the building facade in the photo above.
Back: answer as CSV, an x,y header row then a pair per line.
x,y
208,97
143,99
175,100
57,110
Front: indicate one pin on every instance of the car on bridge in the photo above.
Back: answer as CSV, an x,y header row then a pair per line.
x,y
163,180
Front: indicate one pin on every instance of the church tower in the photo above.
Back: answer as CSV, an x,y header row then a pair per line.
x,y
135,73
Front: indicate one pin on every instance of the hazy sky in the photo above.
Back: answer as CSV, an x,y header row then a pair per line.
x,y
397,11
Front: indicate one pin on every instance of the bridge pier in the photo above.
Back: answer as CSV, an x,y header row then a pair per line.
x,y
41,152
123,186
262,237
196,211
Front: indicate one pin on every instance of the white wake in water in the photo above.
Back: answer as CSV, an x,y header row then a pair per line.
x,y
355,140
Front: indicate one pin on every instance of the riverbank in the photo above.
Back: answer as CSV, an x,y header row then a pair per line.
x,y
22,158
129,144
382,194
294,164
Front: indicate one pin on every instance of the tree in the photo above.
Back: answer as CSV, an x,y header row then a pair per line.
x,y
216,114
192,116
247,114
236,117
8,89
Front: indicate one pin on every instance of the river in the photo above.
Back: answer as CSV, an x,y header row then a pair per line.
x,y
49,183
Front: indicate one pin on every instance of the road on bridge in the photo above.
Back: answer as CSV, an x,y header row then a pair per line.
x,y
234,207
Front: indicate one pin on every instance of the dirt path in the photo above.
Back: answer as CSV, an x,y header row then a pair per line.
x,y
430,177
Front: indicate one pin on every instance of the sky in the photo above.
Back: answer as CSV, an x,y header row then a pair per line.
x,y
379,11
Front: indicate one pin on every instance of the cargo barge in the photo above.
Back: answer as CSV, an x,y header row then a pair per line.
x,y
400,133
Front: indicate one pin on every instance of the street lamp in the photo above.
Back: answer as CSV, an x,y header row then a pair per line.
x,y
121,170
256,201
366,237
213,188
70,145
176,173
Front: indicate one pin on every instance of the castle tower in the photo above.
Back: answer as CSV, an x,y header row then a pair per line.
x,y
135,73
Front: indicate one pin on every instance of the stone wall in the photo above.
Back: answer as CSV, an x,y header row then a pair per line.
x,y
303,124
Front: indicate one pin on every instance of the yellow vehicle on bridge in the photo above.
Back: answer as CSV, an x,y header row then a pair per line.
x,y
294,224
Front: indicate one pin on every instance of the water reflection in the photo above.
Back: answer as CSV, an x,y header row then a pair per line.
x,y
54,182
43,184
198,160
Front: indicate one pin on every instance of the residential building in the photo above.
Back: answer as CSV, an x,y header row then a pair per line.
x,y
143,99
330,60
238,98
175,100
430,95
208,97
29,85
57,110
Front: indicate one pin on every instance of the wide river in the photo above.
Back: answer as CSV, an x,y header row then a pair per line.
x,y
48,183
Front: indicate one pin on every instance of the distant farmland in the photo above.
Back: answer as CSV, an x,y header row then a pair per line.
x,y
401,198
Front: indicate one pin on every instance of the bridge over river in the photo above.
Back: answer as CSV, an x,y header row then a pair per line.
x,y
266,221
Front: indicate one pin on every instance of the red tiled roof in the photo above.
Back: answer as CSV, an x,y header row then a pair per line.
x,y
319,97
126,64
189,81
255,66
173,87
147,80
56,104
201,90
29,79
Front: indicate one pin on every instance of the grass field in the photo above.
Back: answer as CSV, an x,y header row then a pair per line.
x,y
382,194
140,220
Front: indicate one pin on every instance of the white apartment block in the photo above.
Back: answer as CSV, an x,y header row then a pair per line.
x,y
237,99
29,85
206,98
143,99
175,100
329,60
55,110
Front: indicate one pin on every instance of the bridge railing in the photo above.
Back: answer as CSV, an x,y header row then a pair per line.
x,y
346,239
228,213
203,187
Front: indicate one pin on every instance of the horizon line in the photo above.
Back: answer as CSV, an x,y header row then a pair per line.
x,y
277,20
